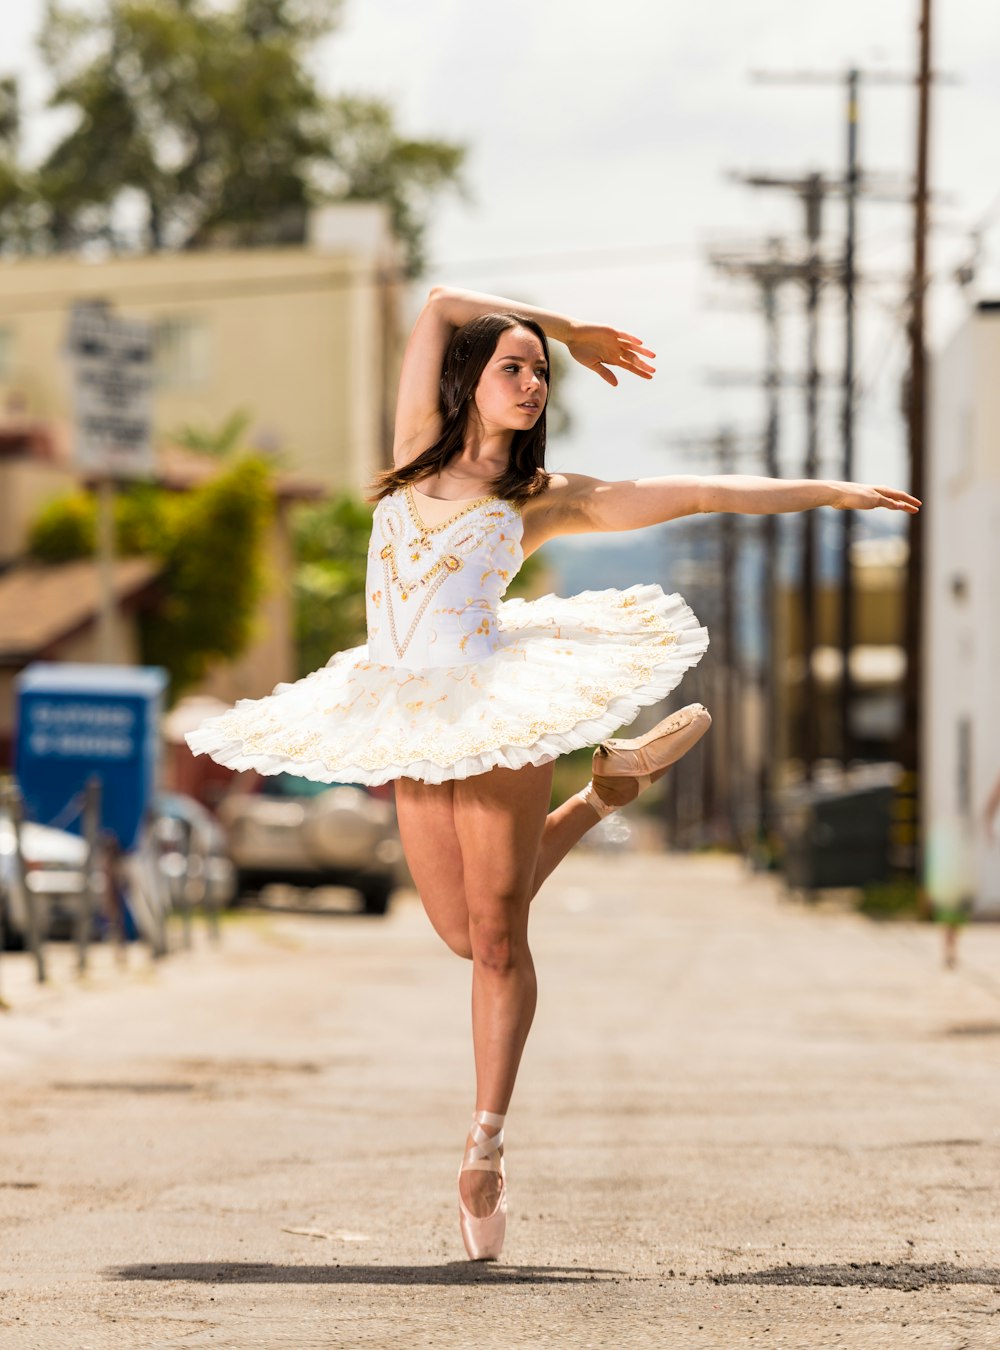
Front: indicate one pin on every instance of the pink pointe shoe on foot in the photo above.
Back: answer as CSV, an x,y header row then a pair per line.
x,y
641,758
483,1237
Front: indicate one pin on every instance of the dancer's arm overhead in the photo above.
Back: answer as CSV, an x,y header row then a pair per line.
x,y
418,416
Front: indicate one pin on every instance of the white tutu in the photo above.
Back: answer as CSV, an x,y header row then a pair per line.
x,y
564,674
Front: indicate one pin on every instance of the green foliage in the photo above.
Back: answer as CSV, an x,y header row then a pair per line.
x,y
214,572
331,559
210,542
898,899
145,520
380,165
220,442
15,191
210,114
64,529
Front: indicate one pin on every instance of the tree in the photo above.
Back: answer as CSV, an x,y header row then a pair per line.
x,y
211,544
331,557
19,213
211,118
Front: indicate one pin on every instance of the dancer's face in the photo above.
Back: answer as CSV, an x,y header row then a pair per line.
x,y
512,390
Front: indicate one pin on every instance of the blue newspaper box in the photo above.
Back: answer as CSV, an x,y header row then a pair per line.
x,y
78,721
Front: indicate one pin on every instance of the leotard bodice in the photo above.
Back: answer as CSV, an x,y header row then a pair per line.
x,y
433,590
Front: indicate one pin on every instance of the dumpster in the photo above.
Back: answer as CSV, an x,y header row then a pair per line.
x,y
838,833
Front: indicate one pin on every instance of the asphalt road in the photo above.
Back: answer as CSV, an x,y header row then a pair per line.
x,y
739,1122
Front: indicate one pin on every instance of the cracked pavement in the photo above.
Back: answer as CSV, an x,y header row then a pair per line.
x,y
740,1121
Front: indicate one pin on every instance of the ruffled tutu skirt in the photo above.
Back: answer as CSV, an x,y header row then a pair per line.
x,y
568,672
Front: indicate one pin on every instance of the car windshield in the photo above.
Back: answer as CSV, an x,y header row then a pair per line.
x,y
287,785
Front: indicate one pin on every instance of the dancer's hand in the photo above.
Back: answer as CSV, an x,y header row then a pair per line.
x,y
597,347
861,497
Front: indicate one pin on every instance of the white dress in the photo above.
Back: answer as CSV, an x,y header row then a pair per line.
x,y
453,682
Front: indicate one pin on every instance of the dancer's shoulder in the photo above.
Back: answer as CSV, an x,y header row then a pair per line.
x,y
563,508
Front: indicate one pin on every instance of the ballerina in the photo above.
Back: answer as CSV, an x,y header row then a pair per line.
x,y
465,701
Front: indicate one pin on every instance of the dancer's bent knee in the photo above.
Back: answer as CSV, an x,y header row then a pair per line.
x,y
496,948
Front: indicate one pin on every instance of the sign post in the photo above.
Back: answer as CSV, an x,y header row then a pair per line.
x,y
112,361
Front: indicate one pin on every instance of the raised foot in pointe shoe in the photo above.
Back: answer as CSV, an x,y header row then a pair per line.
x,y
646,755
483,1234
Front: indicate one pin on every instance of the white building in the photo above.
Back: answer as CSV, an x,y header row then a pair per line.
x,y
961,719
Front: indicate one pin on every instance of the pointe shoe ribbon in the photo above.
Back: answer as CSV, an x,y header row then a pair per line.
x,y
483,1237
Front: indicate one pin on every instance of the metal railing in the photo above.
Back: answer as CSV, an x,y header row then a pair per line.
x,y
166,874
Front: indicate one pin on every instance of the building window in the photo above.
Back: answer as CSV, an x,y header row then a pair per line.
x,y
181,347
6,353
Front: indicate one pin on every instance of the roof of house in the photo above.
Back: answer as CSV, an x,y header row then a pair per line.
x,y
176,467
43,604
180,469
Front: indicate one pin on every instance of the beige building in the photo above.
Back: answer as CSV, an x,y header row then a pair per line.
x,y
960,732
305,339
878,659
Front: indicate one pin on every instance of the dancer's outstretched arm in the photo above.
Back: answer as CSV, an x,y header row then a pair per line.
x,y
576,504
599,347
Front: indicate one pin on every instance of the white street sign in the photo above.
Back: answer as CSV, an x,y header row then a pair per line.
x,y
113,384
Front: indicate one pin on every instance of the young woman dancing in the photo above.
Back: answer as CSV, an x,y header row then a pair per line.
x,y
465,701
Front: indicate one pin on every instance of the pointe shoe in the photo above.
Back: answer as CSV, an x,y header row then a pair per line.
x,y
646,755
483,1237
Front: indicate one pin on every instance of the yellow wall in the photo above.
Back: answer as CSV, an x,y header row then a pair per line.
x,y
297,336
26,485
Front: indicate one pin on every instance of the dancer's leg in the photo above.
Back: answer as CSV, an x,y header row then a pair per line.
x,y
499,819
568,823
426,814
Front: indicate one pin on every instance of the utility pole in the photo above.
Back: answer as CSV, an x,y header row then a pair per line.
x,y
917,427
908,750
847,586
813,188
809,708
724,448
769,272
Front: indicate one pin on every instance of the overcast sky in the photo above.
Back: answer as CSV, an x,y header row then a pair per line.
x,y
600,137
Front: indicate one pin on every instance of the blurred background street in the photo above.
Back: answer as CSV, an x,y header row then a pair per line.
x,y
737,1123
217,222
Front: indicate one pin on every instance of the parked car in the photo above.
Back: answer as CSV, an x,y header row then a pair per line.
x,y
191,856
312,834
194,853
54,874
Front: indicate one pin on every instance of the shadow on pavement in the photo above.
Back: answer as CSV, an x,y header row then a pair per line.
x,y
869,1275
464,1272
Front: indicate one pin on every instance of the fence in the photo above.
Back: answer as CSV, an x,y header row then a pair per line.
x,y
162,876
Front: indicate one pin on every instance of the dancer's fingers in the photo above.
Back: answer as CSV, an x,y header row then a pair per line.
x,y
897,500
640,368
634,344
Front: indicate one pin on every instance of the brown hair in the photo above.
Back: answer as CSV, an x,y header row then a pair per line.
x,y
468,352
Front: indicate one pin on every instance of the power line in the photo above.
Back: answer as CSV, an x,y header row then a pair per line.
x,y
628,256
346,278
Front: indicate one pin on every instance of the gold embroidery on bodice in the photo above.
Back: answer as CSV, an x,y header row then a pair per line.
x,y
418,559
